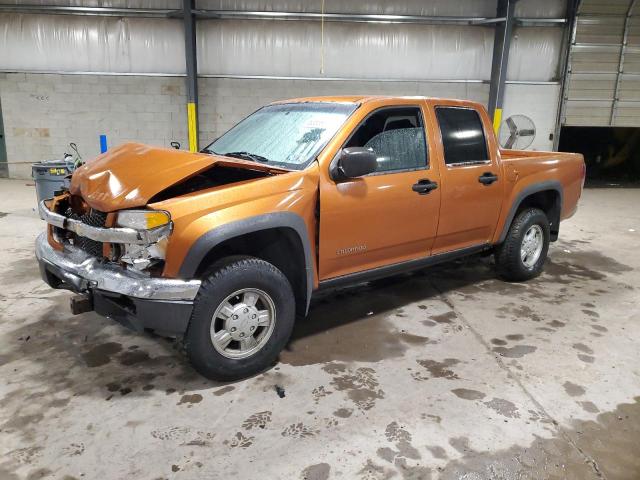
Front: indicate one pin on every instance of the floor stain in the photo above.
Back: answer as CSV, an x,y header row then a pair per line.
x,y
299,430
437,452
438,369
361,385
131,357
468,394
586,358
319,471
611,439
573,389
190,399
515,336
517,351
344,331
447,317
257,420
239,440
581,347
20,271
503,407
589,407
223,390
556,324
343,412
101,354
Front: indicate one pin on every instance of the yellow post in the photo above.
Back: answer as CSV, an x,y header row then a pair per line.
x,y
497,118
193,126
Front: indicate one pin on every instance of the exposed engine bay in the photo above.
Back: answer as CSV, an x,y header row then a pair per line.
x,y
213,177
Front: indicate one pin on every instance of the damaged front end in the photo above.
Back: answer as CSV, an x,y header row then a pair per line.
x,y
137,238
108,237
114,264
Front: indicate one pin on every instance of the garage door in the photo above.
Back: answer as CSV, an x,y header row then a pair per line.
x,y
603,82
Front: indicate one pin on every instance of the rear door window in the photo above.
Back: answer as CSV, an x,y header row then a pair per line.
x,y
462,136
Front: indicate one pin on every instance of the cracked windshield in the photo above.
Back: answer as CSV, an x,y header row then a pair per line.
x,y
285,135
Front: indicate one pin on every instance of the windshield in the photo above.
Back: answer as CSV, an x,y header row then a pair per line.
x,y
289,135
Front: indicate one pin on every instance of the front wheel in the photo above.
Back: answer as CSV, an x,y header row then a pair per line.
x,y
522,254
242,318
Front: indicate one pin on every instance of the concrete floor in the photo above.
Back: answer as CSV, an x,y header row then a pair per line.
x,y
444,374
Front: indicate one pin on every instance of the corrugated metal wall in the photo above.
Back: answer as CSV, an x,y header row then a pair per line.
x,y
604,71
244,63
236,47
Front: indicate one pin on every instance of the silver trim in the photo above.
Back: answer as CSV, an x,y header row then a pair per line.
x,y
111,235
80,271
469,163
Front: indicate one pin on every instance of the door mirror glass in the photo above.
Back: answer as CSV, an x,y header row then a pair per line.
x,y
354,162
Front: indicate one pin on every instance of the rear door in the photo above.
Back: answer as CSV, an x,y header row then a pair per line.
x,y
471,184
389,216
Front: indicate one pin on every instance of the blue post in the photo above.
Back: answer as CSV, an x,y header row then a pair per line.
x,y
103,143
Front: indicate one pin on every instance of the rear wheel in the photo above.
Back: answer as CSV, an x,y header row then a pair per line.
x,y
243,316
522,254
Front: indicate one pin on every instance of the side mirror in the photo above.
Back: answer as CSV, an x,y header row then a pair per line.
x,y
354,162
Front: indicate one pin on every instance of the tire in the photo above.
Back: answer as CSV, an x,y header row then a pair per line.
x,y
253,278
510,264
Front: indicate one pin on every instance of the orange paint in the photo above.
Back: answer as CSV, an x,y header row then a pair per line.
x,y
363,223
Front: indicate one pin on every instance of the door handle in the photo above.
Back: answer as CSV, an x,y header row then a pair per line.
x,y
424,186
487,178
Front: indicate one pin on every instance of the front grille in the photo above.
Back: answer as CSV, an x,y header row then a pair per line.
x,y
92,217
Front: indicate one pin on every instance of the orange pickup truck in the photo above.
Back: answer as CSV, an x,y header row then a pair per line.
x,y
225,247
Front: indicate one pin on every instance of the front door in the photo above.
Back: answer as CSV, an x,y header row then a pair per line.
x,y
472,187
385,217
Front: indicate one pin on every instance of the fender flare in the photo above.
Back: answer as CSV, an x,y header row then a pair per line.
x,y
524,193
206,242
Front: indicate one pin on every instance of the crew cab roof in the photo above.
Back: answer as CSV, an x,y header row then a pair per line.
x,y
360,99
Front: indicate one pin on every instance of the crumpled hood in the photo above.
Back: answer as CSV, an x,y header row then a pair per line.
x,y
131,174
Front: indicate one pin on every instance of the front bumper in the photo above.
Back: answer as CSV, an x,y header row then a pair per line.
x,y
136,300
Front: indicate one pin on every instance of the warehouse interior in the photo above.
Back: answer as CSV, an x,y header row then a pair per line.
x,y
449,372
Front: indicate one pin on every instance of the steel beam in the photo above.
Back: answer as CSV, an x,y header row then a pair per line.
x,y
265,15
373,18
568,41
625,37
91,11
501,43
192,73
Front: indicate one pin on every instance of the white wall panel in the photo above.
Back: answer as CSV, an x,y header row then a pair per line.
x,y
90,44
62,43
534,54
541,8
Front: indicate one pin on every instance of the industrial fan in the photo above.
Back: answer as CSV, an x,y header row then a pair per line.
x,y
517,132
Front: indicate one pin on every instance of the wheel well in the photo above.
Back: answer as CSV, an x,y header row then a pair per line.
x,y
280,246
550,203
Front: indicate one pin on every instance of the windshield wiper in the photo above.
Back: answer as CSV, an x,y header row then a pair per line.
x,y
246,156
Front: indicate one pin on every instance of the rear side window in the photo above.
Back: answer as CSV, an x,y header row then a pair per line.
x,y
396,135
462,135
